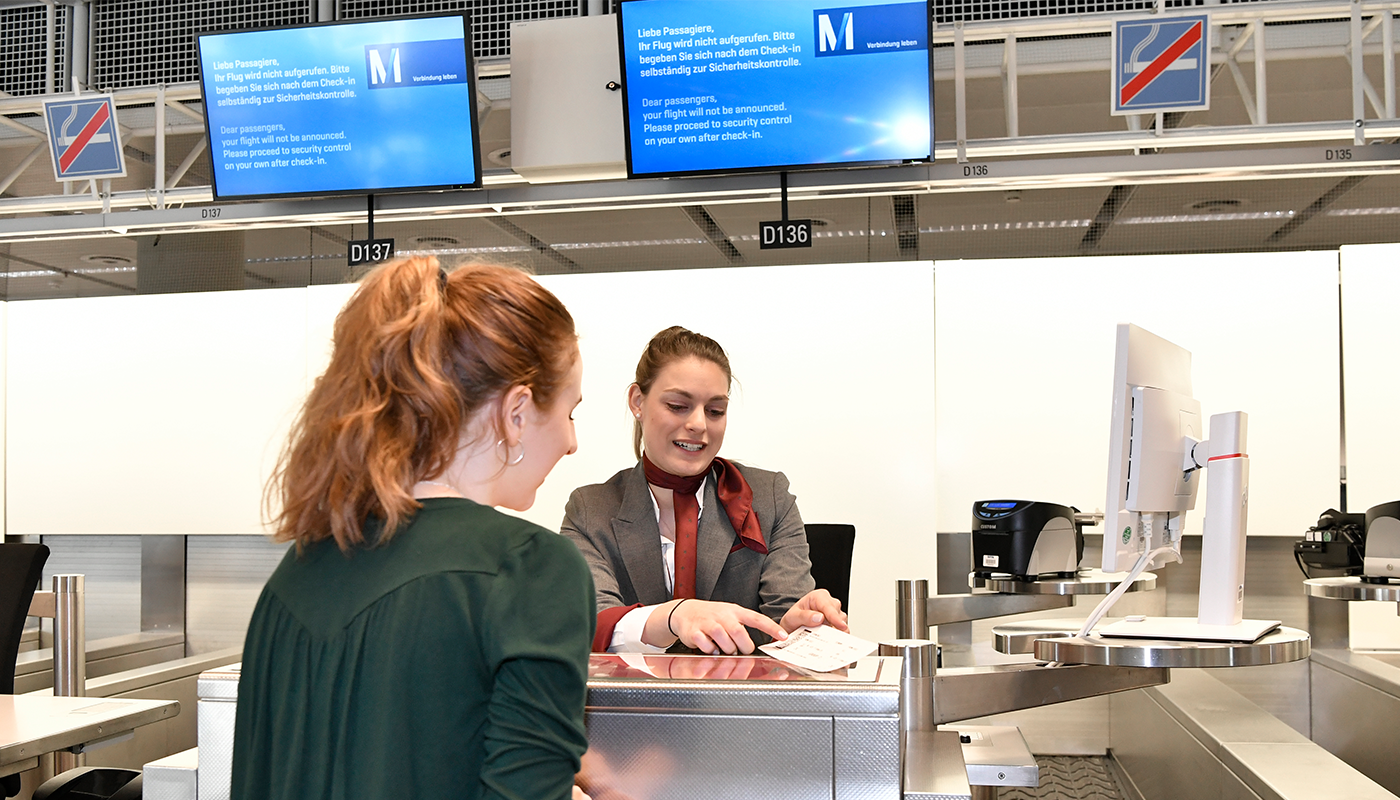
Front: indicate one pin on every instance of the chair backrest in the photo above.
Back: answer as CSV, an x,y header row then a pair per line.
x,y
830,547
21,567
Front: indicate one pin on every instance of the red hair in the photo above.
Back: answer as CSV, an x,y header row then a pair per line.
x,y
418,352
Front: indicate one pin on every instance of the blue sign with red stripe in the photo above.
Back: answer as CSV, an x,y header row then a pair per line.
x,y
83,138
1161,64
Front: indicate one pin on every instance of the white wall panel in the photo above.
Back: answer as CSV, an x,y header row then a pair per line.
x,y
175,406
1025,369
151,414
1370,297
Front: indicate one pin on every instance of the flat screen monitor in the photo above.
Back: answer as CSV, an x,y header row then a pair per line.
x,y
361,107
723,86
1154,421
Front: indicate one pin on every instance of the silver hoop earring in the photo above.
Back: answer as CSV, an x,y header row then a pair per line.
x,y
518,458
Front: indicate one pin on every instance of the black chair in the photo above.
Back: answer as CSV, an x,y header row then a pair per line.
x,y
21,567
830,546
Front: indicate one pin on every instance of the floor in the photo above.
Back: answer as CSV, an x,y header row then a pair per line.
x,y
1071,778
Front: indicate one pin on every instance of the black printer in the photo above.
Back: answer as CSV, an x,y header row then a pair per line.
x,y
1025,539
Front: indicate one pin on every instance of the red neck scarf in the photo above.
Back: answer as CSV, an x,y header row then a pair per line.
x,y
735,497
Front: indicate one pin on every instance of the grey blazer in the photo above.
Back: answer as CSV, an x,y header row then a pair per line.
x,y
614,526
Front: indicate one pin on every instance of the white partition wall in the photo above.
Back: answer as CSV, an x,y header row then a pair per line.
x,y
1025,368
1371,336
150,414
165,413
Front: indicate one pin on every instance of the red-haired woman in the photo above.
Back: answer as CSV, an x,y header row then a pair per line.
x,y
686,545
416,642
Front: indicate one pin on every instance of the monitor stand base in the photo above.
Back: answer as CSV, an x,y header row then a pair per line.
x,y
1188,629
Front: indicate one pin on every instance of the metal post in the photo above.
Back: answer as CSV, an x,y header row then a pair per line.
x,y
916,683
1358,76
1329,623
911,609
69,650
1388,58
52,16
160,146
78,48
1010,90
960,90
1261,83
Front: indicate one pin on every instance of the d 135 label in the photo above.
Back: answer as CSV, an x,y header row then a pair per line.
x,y
785,233
370,251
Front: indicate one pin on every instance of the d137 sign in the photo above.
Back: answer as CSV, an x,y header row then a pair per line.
x,y
370,251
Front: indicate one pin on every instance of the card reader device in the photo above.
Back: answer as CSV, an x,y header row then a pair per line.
x,y
1025,539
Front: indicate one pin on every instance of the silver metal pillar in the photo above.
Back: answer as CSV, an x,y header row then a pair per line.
x,y
911,609
69,651
916,682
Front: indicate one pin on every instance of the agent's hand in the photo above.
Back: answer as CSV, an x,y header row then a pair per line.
x,y
579,794
709,627
817,608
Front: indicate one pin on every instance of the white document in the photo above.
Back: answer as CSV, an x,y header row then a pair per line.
x,y
819,649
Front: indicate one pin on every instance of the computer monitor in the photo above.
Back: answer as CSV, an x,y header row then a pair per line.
x,y
1157,451
723,86
351,107
1155,421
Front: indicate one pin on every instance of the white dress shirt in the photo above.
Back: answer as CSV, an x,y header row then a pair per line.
x,y
627,636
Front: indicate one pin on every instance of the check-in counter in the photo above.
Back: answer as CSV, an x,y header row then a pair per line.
x,y
692,726
662,727
741,727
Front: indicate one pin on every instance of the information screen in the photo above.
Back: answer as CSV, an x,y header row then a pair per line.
x,y
739,85
358,107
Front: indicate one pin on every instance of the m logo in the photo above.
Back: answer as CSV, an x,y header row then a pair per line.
x,y
402,65
378,73
829,38
893,28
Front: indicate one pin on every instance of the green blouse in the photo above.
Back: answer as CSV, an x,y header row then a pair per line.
x,y
450,663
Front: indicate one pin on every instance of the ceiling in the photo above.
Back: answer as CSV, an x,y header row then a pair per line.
x,y
1305,84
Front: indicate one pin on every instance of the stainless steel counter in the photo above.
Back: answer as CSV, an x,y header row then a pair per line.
x,y
740,727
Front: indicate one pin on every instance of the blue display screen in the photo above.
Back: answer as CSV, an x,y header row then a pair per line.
x,y
998,505
358,107
734,85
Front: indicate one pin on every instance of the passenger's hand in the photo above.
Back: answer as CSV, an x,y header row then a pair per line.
x,y
579,794
709,627
817,608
